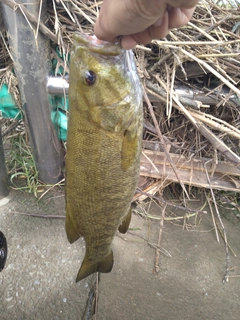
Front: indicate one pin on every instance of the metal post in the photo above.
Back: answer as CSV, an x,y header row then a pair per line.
x,y
31,59
3,172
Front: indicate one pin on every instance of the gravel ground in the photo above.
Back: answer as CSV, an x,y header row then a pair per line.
x,y
38,281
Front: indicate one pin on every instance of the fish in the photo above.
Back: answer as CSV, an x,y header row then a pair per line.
x,y
104,144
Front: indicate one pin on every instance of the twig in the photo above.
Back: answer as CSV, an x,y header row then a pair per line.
x,y
225,278
39,20
210,55
162,140
14,5
150,161
157,269
90,311
82,13
209,135
56,184
160,199
201,31
213,71
153,245
230,248
46,216
218,144
96,295
186,216
163,96
68,12
170,44
216,123
213,218
6,46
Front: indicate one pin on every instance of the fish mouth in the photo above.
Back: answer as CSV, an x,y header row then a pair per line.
x,y
93,44
112,51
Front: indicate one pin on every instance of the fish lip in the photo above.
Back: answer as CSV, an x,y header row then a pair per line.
x,y
95,45
97,42
104,48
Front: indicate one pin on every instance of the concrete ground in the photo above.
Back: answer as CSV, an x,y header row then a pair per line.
x,y
38,281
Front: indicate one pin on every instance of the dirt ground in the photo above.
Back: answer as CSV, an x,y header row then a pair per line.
x,y
38,281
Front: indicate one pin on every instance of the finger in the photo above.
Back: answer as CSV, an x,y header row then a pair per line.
x,y
160,28
102,31
128,42
153,32
179,17
183,3
124,18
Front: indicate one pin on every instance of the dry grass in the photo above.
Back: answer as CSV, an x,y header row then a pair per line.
x,y
202,57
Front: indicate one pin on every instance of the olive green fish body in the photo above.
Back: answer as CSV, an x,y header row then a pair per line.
x,y
103,148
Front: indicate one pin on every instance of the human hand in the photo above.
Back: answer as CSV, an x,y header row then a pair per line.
x,y
140,21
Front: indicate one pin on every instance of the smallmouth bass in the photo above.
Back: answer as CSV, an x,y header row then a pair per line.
x,y
103,147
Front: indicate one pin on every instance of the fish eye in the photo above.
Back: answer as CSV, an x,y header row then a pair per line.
x,y
90,77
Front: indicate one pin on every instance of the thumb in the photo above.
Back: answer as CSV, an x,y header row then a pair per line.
x,y
102,32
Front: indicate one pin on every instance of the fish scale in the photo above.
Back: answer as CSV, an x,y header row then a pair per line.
x,y
103,147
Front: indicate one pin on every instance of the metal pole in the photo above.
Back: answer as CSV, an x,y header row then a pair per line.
x,y
31,59
3,172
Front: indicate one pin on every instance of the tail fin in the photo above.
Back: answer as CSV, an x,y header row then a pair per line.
x,y
88,268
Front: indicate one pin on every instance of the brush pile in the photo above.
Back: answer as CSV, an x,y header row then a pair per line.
x,y
191,88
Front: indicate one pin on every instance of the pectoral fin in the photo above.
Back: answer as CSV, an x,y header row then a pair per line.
x,y
88,268
72,233
125,224
129,149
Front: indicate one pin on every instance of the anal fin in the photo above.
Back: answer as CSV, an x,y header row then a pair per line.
x,y
125,224
72,233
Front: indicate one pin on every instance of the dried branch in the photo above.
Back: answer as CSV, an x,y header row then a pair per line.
x,y
34,20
